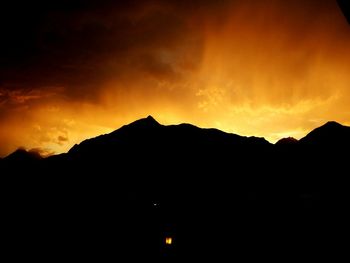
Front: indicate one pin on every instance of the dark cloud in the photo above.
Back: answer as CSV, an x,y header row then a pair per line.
x,y
62,139
17,96
80,44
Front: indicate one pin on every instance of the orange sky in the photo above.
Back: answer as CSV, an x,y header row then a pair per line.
x,y
270,68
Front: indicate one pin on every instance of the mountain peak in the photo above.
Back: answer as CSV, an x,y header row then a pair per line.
x,y
332,124
331,133
145,122
150,118
22,154
287,141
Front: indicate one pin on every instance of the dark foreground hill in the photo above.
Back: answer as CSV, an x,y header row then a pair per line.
x,y
218,196
345,7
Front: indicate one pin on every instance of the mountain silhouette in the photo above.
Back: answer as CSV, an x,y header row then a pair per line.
x,y
287,141
217,195
331,134
22,155
145,123
146,138
345,7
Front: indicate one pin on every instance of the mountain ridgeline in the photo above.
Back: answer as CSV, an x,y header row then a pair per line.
x,y
216,194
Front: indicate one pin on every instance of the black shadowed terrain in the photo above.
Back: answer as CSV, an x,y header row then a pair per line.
x,y
218,196
345,7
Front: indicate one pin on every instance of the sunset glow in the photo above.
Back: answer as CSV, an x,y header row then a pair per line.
x,y
273,69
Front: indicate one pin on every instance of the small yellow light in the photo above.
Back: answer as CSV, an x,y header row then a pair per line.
x,y
168,241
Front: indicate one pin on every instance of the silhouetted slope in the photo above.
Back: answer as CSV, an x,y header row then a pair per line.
x,y
149,137
219,195
22,155
331,134
287,141
345,7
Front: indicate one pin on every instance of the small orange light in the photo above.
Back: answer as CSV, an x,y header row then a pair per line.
x,y
168,241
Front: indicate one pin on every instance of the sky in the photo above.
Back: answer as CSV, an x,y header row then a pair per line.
x,y
71,70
